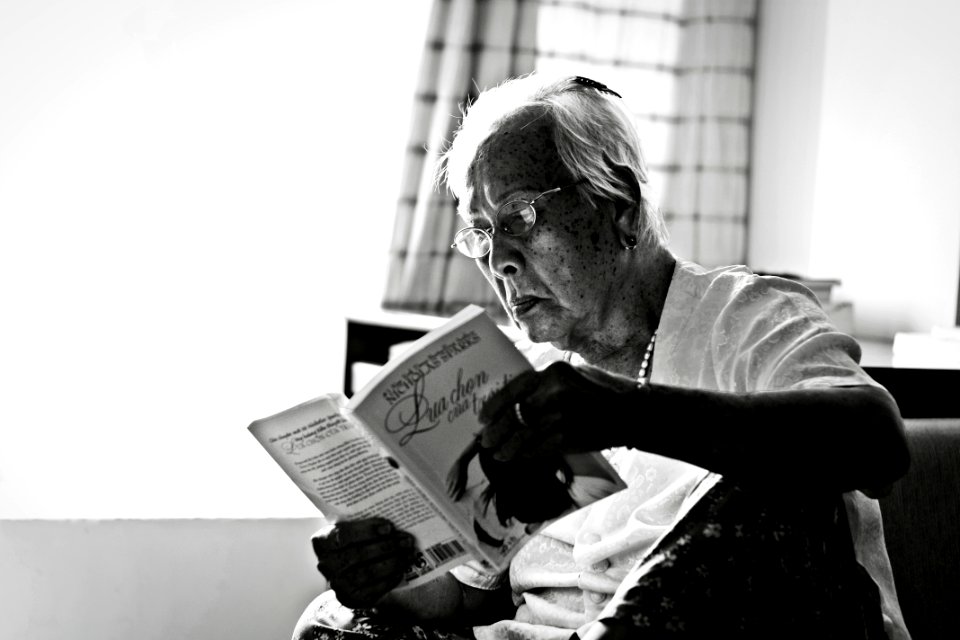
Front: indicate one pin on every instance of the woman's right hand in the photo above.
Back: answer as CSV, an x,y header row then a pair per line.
x,y
363,560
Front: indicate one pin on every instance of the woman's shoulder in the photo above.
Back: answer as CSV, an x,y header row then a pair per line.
x,y
728,305
728,284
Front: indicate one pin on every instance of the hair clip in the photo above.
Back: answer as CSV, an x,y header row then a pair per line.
x,y
593,84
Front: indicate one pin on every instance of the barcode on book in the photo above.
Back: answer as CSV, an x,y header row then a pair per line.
x,y
444,551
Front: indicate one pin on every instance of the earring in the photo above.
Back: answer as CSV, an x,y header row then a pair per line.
x,y
630,242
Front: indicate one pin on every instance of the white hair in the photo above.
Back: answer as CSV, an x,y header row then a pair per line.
x,y
593,133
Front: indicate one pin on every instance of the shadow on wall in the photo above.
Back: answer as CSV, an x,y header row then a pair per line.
x,y
153,579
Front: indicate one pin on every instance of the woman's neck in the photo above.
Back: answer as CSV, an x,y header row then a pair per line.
x,y
620,344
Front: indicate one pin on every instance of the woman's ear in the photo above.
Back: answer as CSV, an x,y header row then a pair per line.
x,y
627,213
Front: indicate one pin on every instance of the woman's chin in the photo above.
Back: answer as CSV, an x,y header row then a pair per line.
x,y
540,329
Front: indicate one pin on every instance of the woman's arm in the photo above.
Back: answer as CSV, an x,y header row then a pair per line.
x,y
832,438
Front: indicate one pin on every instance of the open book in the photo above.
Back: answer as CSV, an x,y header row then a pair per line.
x,y
398,447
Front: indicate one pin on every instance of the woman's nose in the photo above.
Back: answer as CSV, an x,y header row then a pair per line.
x,y
504,258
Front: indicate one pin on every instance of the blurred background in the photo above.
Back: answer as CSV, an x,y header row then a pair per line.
x,y
195,195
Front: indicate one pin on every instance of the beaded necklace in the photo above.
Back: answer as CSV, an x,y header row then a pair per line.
x,y
642,377
644,366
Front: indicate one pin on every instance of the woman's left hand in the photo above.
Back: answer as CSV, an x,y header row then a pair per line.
x,y
561,409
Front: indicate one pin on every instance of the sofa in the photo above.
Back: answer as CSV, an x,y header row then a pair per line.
x,y
921,516
921,519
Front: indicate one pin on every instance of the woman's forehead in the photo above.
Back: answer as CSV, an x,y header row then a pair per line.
x,y
518,160
520,145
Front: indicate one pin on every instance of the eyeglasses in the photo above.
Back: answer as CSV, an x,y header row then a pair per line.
x,y
514,218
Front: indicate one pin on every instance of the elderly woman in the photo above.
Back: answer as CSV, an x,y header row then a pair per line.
x,y
749,437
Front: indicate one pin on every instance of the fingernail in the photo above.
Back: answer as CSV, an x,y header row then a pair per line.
x,y
384,528
406,541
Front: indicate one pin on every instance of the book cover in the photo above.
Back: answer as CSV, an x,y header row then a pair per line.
x,y
424,406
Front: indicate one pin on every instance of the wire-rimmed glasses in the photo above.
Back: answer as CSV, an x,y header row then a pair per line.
x,y
514,218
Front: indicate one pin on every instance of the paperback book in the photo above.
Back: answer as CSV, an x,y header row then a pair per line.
x,y
403,448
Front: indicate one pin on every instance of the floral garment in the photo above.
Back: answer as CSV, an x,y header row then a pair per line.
x,y
326,619
741,565
737,564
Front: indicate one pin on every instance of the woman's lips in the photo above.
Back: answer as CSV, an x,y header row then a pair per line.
x,y
523,305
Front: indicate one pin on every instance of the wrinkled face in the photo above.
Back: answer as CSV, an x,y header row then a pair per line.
x,y
557,281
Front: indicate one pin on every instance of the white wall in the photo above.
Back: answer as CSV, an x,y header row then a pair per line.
x,y
788,95
155,579
872,148
192,194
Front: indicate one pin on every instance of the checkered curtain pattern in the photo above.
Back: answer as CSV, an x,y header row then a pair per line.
x,y
684,66
471,44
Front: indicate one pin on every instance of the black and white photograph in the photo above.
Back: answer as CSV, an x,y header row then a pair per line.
x,y
714,246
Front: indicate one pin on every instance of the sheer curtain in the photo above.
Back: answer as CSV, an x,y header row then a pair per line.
x,y
470,44
684,66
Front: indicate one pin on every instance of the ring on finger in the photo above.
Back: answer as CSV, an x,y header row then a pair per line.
x,y
519,414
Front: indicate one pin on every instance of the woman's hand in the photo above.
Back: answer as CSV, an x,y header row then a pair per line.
x,y
363,559
562,409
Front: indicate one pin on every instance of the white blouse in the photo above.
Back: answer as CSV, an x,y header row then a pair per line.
x,y
724,329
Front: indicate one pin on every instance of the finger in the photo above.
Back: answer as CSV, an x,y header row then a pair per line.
x,y
344,534
510,414
555,384
499,430
547,445
552,388
367,597
508,448
350,558
529,443
374,571
516,426
506,438
368,582
501,402
538,395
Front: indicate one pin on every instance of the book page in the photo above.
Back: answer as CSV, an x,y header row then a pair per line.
x,y
345,475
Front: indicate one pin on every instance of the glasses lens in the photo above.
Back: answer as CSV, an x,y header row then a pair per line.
x,y
516,218
472,242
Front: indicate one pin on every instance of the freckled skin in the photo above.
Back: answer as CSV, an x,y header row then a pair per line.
x,y
595,298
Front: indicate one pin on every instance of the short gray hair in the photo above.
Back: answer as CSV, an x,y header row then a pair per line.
x,y
593,132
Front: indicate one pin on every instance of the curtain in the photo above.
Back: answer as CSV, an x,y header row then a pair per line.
x,y
706,190
685,68
471,44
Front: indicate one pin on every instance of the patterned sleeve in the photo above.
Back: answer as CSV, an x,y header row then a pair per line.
x,y
774,335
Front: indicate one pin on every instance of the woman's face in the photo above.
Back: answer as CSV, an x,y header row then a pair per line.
x,y
558,281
